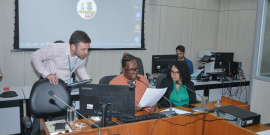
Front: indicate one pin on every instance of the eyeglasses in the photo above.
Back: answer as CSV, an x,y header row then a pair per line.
x,y
174,73
133,70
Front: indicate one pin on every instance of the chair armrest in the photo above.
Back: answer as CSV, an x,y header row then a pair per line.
x,y
27,122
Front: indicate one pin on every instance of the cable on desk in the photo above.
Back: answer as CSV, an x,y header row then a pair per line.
x,y
176,124
117,120
234,93
154,126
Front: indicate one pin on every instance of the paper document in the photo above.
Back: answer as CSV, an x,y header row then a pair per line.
x,y
266,132
178,111
195,74
151,96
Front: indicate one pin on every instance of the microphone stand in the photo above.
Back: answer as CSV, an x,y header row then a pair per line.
x,y
196,108
80,114
170,112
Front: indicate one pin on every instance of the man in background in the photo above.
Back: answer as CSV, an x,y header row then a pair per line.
x,y
130,70
180,51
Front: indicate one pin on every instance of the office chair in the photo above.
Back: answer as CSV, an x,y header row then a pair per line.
x,y
106,79
159,79
141,71
42,105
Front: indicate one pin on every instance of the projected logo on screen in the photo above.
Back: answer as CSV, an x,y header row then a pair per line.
x,y
86,8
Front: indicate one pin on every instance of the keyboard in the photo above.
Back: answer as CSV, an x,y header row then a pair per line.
x,y
142,117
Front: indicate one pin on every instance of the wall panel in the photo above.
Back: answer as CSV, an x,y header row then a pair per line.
x,y
240,37
260,99
196,24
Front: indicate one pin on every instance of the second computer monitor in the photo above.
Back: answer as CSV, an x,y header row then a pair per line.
x,y
120,99
222,59
160,63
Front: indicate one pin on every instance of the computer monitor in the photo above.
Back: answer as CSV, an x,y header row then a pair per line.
x,y
223,58
160,63
118,100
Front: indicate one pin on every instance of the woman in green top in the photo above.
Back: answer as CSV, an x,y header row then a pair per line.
x,y
177,81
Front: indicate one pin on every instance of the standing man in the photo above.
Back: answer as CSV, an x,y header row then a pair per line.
x,y
180,51
130,70
60,60
63,59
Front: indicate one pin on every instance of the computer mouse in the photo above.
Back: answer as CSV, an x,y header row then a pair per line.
x,y
8,94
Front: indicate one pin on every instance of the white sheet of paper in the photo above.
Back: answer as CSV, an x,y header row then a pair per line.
x,y
151,96
266,132
178,111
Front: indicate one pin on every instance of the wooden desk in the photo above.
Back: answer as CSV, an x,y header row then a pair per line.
x,y
225,102
163,127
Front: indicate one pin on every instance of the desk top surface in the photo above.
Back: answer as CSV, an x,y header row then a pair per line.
x,y
18,90
27,91
224,102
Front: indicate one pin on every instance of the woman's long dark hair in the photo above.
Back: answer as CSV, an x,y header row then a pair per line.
x,y
183,70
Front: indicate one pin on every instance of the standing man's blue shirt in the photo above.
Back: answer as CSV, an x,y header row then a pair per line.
x,y
190,64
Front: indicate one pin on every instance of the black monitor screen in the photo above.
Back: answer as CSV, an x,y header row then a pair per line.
x,y
222,59
160,63
121,100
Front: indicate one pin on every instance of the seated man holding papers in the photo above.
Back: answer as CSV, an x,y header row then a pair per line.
x,y
130,72
180,88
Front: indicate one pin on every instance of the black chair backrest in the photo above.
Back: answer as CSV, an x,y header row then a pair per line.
x,y
106,79
42,105
141,71
159,79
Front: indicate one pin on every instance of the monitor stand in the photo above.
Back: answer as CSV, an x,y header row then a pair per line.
x,y
104,122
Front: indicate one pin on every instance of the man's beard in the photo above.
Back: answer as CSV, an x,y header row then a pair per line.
x,y
78,55
181,58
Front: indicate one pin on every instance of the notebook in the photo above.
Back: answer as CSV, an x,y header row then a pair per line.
x,y
51,127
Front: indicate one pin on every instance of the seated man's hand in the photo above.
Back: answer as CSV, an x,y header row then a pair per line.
x,y
52,78
152,108
137,108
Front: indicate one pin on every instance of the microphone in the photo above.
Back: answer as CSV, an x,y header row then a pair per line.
x,y
51,93
139,79
167,113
